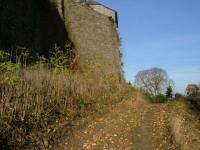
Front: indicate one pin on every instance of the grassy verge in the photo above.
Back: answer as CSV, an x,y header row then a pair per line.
x,y
184,124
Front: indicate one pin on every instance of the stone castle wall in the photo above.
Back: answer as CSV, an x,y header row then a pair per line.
x,y
94,35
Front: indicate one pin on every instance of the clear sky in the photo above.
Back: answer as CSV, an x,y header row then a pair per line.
x,y
160,33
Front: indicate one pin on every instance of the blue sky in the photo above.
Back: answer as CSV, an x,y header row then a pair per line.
x,y
160,33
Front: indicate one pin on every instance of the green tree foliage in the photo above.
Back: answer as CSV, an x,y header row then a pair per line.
x,y
169,92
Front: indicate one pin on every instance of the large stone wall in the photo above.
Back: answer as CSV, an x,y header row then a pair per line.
x,y
95,37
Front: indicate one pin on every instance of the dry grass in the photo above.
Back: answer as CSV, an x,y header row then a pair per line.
x,y
185,125
39,107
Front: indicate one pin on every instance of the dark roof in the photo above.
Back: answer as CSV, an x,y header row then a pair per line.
x,y
90,2
94,2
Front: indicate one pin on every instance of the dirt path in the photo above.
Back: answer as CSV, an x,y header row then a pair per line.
x,y
153,133
132,125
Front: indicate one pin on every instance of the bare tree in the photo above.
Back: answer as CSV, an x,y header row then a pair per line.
x,y
192,90
153,80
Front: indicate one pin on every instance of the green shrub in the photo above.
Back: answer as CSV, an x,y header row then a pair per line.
x,y
59,60
178,96
159,98
63,58
8,66
8,69
4,56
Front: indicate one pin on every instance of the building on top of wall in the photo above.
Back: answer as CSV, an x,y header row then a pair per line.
x,y
101,9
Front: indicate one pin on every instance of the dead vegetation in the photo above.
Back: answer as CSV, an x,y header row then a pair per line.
x,y
38,104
